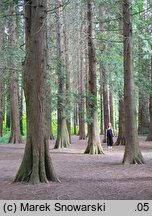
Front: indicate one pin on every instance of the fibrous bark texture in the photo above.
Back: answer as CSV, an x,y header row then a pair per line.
x,y
94,144
15,136
36,165
132,152
62,140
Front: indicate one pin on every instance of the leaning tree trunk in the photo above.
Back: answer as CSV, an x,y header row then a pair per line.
x,y
132,152
121,134
15,136
94,143
62,140
36,165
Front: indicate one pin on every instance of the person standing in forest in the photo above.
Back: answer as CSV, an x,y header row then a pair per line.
x,y
109,135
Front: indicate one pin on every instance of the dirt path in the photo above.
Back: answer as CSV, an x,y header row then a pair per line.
x,y
82,176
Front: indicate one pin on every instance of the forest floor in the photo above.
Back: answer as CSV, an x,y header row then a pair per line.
x,y
83,177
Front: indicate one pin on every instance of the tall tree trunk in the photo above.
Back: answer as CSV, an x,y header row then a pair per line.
x,y
15,136
106,110
121,131
101,102
50,50
51,129
121,134
82,134
132,152
67,66
111,108
102,71
75,120
62,140
149,137
36,165
87,87
21,109
8,119
94,143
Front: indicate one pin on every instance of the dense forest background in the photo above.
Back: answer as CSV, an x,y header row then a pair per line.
x,y
97,59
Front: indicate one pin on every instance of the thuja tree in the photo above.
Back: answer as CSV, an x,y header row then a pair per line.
x,y
94,144
36,165
62,134
15,136
132,152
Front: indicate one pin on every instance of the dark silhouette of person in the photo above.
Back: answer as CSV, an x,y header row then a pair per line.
x,y
110,135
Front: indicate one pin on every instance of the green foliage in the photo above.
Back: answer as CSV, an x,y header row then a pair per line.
x,y
5,138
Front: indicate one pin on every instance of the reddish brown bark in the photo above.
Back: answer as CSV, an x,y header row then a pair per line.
x,y
36,165
132,152
62,134
94,143
15,136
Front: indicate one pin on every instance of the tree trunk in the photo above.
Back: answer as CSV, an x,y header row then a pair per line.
x,y
75,120
121,134
87,87
51,129
67,65
111,108
149,137
82,134
49,37
62,135
8,122
132,152
21,109
101,102
102,71
106,110
36,165
143,121
15,136
94,143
